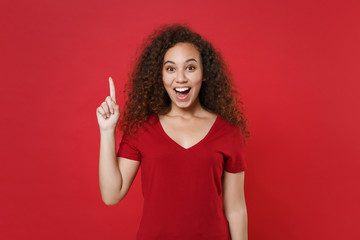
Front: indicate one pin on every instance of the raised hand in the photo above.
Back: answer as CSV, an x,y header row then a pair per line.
x,y
108,112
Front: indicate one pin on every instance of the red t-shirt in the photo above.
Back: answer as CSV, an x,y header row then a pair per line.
x,y
182,188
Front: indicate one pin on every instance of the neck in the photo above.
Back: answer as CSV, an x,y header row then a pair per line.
x,y
194,110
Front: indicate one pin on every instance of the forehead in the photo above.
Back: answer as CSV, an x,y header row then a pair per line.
x,y
182,51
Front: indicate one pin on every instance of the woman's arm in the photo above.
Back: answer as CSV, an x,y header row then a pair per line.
x,y
115,175
234,204
109,172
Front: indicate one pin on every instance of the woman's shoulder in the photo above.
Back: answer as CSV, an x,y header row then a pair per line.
x,y
227,127
149,123
224,122
152,119
145,126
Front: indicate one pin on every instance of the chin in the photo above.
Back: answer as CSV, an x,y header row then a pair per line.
x,y
183,105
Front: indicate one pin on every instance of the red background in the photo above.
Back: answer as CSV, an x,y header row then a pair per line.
x,y
296,64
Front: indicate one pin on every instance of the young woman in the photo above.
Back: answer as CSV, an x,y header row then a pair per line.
x,y
183,123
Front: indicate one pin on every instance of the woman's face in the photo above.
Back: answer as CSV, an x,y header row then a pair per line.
x,y
182,74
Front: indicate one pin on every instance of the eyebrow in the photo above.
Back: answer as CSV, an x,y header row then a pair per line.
x,y
190,59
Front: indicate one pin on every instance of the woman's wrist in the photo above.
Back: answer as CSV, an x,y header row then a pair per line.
x,y
108,132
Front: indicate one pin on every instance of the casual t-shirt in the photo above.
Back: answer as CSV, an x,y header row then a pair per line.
x,y
182,188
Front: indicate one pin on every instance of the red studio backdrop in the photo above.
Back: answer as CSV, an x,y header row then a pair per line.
x,y
295,63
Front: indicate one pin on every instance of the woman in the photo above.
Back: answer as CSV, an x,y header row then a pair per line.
x,y
182,122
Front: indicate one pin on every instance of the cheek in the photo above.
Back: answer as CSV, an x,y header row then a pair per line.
x,y
167,75
167,83
195,76
165,79
198,78
198,82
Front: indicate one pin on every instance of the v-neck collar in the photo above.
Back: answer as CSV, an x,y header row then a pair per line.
x,y
193,146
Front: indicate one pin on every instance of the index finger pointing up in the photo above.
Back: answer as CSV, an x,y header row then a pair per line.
x,y
112,89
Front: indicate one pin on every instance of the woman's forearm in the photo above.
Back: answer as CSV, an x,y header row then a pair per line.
x,y
109,172
238,225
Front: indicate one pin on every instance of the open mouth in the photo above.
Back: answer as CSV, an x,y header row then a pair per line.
x,y
182,92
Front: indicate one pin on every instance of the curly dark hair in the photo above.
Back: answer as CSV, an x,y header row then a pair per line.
x,y
147,94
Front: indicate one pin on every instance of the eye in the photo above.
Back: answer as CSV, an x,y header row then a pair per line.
x,y
170,69
191,67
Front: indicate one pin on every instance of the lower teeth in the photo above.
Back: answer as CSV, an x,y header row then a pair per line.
x,y
182,94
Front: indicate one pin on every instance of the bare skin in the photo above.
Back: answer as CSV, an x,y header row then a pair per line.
x,y
186,123
116,174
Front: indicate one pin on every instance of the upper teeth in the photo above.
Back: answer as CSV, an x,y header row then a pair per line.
x,y
181,89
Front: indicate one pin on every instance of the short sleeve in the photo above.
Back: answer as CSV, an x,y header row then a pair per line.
x,y
235,158
128,149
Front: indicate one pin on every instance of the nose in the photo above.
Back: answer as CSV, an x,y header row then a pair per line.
x,y
180,77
